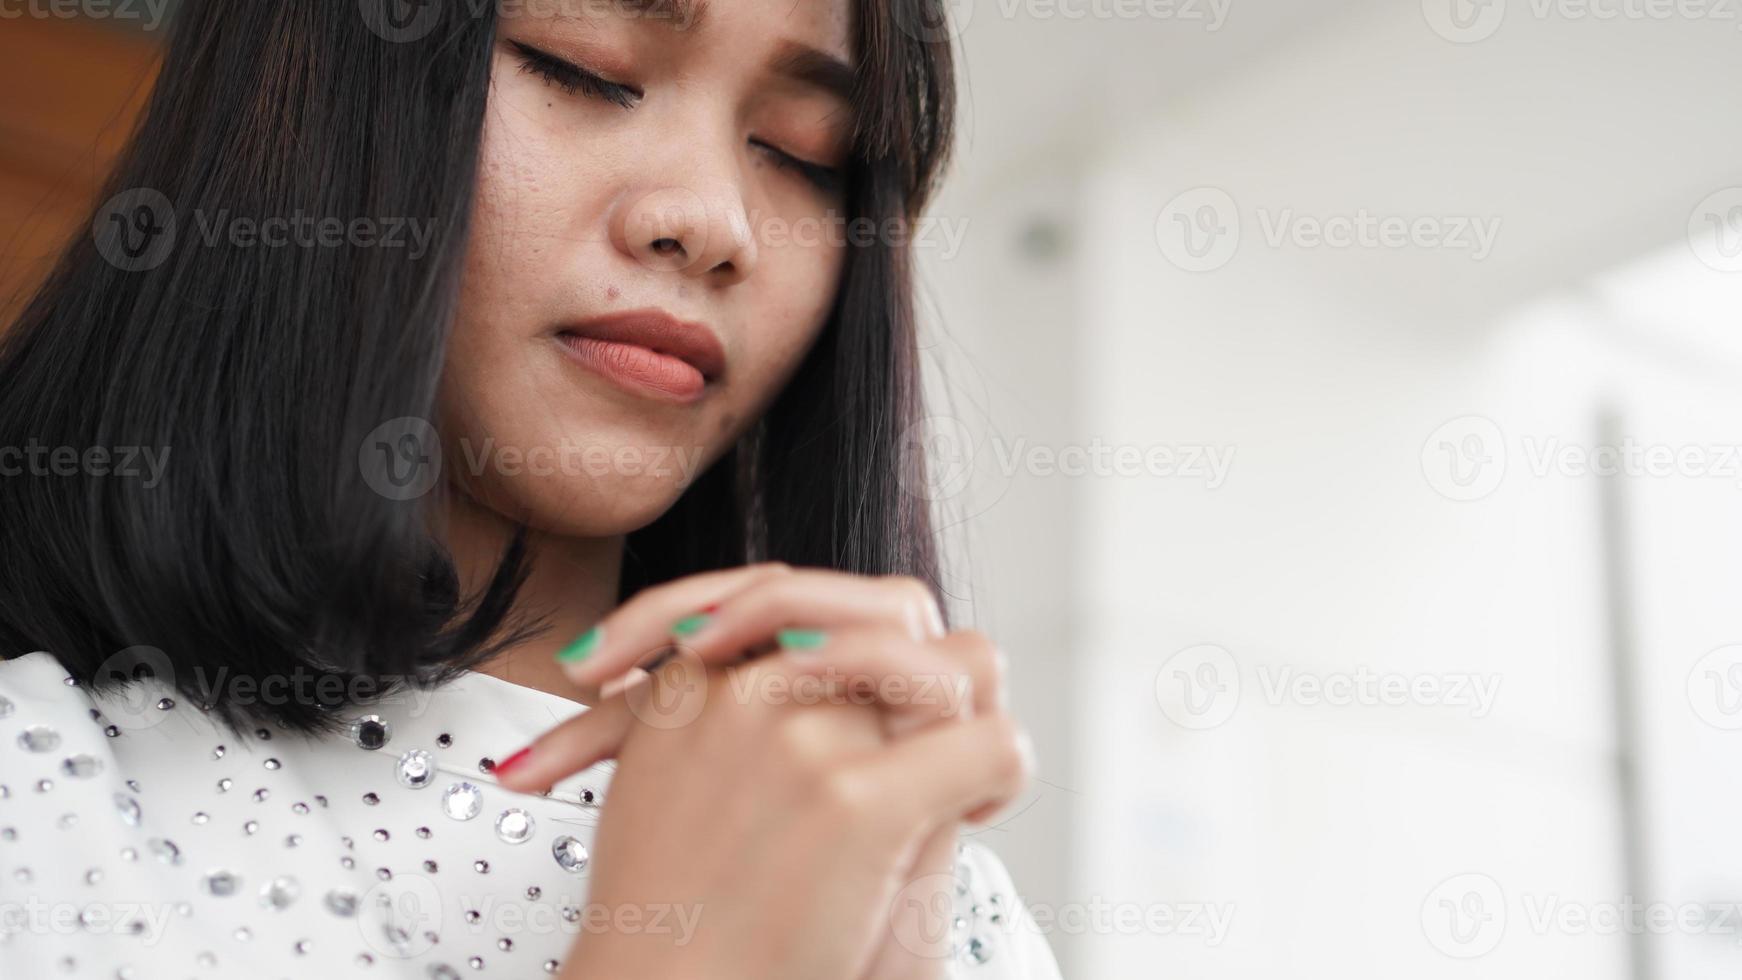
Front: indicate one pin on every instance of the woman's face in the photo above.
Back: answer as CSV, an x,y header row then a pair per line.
x,y
650,171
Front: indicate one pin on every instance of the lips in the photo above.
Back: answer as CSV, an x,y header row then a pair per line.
x,y
648,349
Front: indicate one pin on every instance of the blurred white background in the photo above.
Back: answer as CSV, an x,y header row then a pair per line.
x,y
1338,408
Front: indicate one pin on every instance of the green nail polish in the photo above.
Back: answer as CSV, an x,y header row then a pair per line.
x,y
796,639
690,624
582,647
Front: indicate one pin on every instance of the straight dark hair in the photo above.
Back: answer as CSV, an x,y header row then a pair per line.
x,y
266,547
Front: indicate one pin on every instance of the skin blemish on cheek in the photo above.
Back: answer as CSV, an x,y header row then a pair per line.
x,y
613,292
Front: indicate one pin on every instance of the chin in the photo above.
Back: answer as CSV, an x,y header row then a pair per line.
x,y
585,506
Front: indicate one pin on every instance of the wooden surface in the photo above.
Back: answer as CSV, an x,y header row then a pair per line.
x,y
72,91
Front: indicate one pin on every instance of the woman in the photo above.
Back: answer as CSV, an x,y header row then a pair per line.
x,y
478,413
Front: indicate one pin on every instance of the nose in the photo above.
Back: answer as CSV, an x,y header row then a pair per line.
x,y
699,228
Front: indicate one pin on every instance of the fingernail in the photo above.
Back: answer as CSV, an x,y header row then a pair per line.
x,y
692,624
801,640
623,683
582,647
516,759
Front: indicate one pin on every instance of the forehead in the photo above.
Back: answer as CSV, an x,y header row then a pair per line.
x,y
824,24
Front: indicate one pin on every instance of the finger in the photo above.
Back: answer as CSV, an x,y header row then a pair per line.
x,y
812,598
589,737
957,677
914,683
945,772
980,659
988,666
641,626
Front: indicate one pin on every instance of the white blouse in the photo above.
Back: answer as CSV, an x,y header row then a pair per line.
x,y
139,838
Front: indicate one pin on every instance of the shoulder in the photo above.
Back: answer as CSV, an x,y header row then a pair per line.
x,y
994,935
50,714
41,709
69,823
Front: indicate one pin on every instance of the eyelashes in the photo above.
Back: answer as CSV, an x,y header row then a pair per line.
x,y
572,78
575,80
827,179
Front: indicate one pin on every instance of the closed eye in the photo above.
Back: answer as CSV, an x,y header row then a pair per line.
x,y
826,179
572,78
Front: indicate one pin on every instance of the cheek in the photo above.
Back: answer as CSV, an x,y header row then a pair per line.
x,y
517,215
793,300
522,247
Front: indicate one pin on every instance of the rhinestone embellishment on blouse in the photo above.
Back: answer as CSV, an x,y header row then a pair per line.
x,y
370,732
462,801
279,893
416,769
571,855
221,883
39,738
82,766
253,838
514,826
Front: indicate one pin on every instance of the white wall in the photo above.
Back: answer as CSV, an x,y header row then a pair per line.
x,y
1325,830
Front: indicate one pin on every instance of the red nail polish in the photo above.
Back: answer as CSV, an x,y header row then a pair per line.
x,y
512,761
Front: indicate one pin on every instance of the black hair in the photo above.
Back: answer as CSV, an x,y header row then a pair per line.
x,y
267,544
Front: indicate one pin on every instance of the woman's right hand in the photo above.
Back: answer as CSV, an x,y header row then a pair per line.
x,y
779,820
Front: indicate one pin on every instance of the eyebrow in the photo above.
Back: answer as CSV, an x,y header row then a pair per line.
x,y
811,66
799,62
680,14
